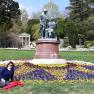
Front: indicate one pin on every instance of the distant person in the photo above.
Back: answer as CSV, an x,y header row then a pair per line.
x,y
6,75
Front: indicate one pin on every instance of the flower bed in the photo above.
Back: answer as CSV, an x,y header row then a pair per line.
x,y
54,72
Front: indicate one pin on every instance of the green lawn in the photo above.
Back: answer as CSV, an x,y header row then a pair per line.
x,y
69,55
53,88
16,54
78,55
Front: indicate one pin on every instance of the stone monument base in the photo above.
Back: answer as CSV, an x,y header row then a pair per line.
x,y
47,61
47,49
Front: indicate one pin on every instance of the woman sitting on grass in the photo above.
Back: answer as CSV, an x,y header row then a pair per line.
x,y
6,75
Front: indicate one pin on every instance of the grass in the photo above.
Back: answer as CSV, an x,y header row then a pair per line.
x,y
78,55
16,54
25,54
53,88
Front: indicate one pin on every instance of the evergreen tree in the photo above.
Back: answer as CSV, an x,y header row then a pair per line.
x,y
79,10
72,33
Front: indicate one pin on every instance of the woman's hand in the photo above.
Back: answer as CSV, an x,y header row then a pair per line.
x,y
3,80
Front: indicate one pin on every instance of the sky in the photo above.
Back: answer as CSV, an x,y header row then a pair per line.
x,y
36,5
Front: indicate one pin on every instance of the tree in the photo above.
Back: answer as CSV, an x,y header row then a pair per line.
x,y
9,14
33,28
90,35
89,28
79,10
60,27
9,10
35,31
91,5
36,15
16,25
71,31
24,19
53,9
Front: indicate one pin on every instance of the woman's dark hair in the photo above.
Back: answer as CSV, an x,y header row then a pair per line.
x,y
11,63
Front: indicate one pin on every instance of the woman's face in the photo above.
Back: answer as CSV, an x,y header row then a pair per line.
x,y
10,66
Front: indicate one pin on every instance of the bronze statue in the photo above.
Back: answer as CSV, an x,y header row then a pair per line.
x,y
47,26
51,27
43,23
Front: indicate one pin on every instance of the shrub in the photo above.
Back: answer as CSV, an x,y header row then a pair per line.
x,y
66,42
88,44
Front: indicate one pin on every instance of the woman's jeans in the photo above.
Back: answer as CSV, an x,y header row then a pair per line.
x,y
2,84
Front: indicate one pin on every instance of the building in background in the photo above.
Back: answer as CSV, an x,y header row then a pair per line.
x,y
24,39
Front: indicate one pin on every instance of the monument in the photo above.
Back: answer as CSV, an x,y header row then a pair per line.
x,y
47,45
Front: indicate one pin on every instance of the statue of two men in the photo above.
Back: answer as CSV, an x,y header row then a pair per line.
x,y
47,26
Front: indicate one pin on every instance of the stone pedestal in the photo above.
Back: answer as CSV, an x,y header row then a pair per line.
x,y
47,49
